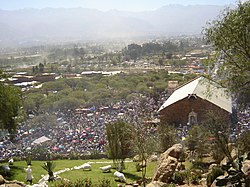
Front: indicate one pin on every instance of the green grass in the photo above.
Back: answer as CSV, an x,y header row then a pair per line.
x,y
96,175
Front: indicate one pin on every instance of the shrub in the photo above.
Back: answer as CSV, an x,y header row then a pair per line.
x,y
179,177
28,159
87,182
49,166
197,164
169,185
74,156
104,183
195,177
216,172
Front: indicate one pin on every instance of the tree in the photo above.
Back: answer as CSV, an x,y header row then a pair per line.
x,y
144,145
145,141
244,142
230,35
219,128
134,51
197,141
67,103
167,136
41,67
119,136
72,83
10,104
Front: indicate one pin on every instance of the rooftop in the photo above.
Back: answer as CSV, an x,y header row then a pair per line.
x,y
205,89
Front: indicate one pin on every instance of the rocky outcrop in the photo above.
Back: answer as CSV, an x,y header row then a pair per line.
x,y
166,170
13,184
156,184
175,151
246,167
5,183
2,180
168,163
233,154
153,158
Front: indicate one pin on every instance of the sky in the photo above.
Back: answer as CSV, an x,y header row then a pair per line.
x,y
105,5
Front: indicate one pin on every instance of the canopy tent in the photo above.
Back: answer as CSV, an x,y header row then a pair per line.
x,y
41,140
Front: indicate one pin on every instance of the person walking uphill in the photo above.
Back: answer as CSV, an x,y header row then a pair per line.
x,y
29,176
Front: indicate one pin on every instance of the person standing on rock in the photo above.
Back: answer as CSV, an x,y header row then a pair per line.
x,y
29,176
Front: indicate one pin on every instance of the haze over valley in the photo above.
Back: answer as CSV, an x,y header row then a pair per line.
x,y
48,25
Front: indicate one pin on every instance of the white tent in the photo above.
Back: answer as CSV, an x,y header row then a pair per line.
x,y
41,140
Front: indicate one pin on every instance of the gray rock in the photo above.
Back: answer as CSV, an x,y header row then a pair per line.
x,y
166,170
156,184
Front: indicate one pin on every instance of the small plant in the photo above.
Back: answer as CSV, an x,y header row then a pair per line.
x,y
49,166
195,178
169,185
198,164
28,159
179,177
104,183
84,183
216,172
87,182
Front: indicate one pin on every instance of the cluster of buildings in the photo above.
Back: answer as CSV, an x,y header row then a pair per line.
x,y
25,81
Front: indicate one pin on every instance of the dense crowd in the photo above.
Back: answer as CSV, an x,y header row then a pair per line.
x,y
243,123
83,130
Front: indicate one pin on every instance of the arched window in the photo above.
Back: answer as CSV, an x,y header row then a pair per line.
x,y
192,118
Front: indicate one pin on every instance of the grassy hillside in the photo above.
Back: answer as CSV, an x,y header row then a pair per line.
x,y
96,175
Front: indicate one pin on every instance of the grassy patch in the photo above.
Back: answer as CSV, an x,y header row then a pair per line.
x,y
96,175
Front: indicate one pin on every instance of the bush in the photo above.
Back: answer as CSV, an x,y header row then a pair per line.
x,y
195,177
28,159
84,183
200,165
104,183
40,153
179,177
169,185
216,172
74,156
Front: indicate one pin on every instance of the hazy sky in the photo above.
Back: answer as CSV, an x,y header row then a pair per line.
x,y
131,5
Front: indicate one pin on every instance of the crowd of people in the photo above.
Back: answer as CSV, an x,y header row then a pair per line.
x,y
82,130
243,123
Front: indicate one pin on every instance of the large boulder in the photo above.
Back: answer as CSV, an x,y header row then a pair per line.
x,y
246,167
5,183
175,151
166,170
153,158
233,153
13,184
168,163
2,180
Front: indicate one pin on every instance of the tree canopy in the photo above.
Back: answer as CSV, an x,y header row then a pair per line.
x,y
10,104
119,135
230,35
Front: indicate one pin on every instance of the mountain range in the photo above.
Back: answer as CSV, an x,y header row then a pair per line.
x,y
68,24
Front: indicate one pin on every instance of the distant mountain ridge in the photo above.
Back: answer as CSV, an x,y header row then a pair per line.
x,y
50,24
